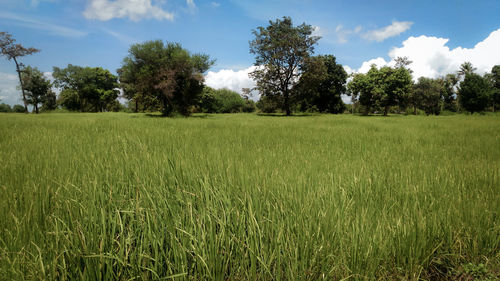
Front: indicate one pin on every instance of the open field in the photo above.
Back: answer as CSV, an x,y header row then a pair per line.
x,y
237,197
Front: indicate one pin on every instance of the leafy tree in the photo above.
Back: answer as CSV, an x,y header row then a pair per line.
x,y
494,94
449,93
429,92
165,75
466,68
269,103
5,108
281,50
382,87
13,52
49,102
321,85
86,88
474,92
38,89
228,101
17,108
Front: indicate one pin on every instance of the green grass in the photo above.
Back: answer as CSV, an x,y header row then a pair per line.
x,y
247,197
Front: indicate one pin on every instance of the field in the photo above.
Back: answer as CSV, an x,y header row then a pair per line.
x,y
248,197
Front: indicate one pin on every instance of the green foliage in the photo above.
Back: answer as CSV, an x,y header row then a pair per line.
x,y
249,106
114,196
321,85
449,93
38,88
280,51
164,76
269,103
474,91
86,88
221,101
17,108
5,108
428,93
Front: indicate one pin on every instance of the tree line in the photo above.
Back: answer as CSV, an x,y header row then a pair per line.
x,y
163,76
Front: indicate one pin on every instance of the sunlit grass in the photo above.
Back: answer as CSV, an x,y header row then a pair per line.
x,y
124,196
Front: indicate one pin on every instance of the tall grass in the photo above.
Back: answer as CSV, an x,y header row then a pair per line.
x,y
122,197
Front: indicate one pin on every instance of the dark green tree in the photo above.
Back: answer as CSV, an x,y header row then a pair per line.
x,y
17,108
321,85
429,92
14,52
474,93
494,94
450,95
280,51
5,108
165,75
38,89
86,88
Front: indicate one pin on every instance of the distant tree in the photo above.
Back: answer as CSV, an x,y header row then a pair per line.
x,y
321,85
494,94
221,101
38,88
5,108
269,103
86,88
164,74
429,92
474,92
281,50
465,68
13,52
382,87
449,95
17,108
49,102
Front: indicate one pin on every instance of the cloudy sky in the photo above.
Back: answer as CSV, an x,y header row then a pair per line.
x,y
436,35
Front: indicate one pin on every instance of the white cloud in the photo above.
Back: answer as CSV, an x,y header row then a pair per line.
x,y
396,28
8,89
133,9
433,58
191,5
230,79
344,34
40,25
215,4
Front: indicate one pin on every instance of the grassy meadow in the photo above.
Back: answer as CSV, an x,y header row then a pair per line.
x,y
120,196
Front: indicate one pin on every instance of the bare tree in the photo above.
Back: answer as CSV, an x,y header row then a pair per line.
x,y
13,52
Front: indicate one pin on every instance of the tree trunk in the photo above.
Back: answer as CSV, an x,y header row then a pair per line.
x,y
22,86
386,109
414,110
136,106
287,103
36,108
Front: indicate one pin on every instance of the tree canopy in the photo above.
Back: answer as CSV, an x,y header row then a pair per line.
x,y
280,51
164,75
38,89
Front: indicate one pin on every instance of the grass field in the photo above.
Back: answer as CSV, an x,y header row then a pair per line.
x,y
247,197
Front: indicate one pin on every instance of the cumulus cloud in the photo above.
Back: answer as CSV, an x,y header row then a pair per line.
x,y
432,57
230,79
396,28
133,9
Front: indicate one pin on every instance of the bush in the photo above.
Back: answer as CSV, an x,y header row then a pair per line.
x,y
18,108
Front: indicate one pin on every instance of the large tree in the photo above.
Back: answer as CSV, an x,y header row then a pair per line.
x,y
474,91
494,94
321,85
13,51
429,92
280,51
86,88
38,88
165,75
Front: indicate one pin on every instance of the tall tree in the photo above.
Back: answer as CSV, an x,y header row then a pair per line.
x,y
429,93
474,92
465,68
449,95
280,51
86,88
14,51
38,88
321,85
494,94
164,74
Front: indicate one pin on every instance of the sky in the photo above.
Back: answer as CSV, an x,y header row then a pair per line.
x,y
437,36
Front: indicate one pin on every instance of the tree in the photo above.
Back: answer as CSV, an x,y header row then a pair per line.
x,y
165,75
13,52
361,90
38,89
449,94
86,88
465,68
221,101
494,94
474,93
281,50
429,92
5,108
321,85
49,102
17,108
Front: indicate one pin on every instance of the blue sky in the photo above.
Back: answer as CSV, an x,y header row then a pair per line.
x,y
436,35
